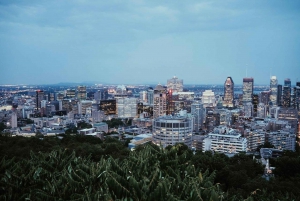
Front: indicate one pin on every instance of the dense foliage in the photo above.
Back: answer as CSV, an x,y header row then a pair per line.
x,y
85,168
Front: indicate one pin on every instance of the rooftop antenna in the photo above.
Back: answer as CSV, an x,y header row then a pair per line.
x,y
246,70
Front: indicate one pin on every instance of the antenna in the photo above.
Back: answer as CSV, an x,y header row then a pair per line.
x,y
247,71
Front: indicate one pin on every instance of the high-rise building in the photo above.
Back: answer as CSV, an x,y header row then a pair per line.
x,y
296,98
197,111
150,93
286,95
39,97
255,103
279,95
70,93
264,97
248,110
14,122
273,90
109,107
228,93
127,107
143,96
287,82
247,90
169,130
81,92
208,98
286,98
261,110
160,101
175,84
97,96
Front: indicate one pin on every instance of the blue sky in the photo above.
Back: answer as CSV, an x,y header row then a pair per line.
x,y
137,42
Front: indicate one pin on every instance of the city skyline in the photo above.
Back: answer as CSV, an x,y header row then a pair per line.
x,y
137,42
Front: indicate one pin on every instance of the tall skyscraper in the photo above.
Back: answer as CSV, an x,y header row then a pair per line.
x,y
273,90
81,92
197,111
255,103
287,93
286,98
247,90
264,97
279,95
159,101
175,84
287,82
39,97
228,93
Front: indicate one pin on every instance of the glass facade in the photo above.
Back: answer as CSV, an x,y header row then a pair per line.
x,y
273,90
228,93
247,90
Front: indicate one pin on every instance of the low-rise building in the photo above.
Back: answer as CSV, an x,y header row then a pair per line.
x,y
224,140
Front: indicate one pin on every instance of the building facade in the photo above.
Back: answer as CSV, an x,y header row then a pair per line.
x,y
273,90
228,93
169,130
247,90
159,101
175,84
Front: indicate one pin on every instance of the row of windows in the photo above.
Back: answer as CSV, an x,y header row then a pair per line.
x,y
172,125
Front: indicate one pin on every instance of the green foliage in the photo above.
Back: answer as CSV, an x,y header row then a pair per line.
x,y
114,123
86,168
2,126
83,125
59,175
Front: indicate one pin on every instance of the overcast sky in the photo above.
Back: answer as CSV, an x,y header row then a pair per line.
x,y
138,42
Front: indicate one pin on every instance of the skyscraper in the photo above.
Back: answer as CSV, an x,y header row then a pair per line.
x,y
286,98
197,112
228,93
81,92
150,93
247,90
279,95
287,93
159,101
38,98
175,84
273,90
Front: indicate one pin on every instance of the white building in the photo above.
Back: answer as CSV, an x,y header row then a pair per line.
x,y
255,138
224,140
208,98
169,130
127,107
282,140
